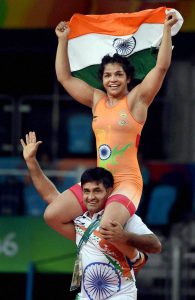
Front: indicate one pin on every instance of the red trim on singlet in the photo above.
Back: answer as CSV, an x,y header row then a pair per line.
x,y
124,201
77,191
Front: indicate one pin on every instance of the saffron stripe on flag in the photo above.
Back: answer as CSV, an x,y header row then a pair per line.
x,y
115,24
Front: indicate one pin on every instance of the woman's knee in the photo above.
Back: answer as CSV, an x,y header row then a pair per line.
x,y
115,211
54,214
49,216
63,210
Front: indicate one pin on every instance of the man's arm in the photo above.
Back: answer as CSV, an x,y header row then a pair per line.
x,y
43,185
148,243
136,235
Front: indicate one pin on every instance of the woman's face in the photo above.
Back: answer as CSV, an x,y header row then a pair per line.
x,y
115,80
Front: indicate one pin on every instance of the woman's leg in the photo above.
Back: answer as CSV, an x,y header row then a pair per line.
x,y
115,211
62,211
119,208
122,203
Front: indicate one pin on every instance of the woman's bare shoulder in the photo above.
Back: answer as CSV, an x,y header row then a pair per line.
x,y
98,94
132,95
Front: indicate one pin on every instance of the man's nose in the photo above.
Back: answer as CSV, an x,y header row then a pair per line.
x,y
90,195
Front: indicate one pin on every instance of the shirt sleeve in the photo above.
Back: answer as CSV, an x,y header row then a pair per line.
x,y
136,225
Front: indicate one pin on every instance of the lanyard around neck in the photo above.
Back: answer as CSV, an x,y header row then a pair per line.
x,y
87,234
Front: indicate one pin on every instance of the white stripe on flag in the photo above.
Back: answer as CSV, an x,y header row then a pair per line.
x,y
89,49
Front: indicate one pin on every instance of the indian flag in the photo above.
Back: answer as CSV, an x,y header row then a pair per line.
x,y
136,36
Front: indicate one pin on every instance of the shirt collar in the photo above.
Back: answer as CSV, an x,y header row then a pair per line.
x,y
95,215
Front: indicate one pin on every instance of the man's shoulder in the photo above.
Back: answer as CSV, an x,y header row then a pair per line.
x,y
134,219
136,225
133,222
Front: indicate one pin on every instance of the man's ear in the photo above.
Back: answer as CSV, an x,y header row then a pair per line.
x,y
109,191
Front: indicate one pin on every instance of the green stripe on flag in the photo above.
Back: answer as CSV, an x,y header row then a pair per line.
x,y
89,75
143,61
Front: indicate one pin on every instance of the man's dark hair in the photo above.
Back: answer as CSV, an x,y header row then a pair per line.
x,y
116,58
99,175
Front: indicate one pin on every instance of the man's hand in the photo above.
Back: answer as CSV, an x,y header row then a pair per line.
x,y
31,146
114,233
62,30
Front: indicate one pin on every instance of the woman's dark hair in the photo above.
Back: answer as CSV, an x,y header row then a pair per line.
x,y
99,175
116,58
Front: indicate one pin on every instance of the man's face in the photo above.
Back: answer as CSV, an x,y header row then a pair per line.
x,y
94,196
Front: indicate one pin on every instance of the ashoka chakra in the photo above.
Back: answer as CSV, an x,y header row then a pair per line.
x,y
124,47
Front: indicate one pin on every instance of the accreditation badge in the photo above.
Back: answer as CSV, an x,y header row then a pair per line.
x,y
77,274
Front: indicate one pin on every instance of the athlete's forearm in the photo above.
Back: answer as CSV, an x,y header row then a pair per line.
x,y
148,243
126,249
62,61
43,185
165,51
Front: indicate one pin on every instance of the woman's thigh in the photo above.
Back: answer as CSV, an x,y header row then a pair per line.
x,y
67,206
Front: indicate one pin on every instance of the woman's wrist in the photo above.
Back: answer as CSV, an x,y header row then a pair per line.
x,y
167,28
63,40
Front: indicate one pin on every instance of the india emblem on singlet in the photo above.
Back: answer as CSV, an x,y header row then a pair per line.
x,y
104,152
